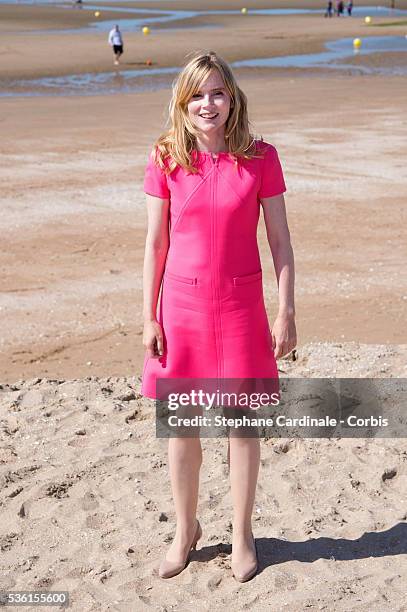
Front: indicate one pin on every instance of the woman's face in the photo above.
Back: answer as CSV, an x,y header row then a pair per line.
x,y
209,108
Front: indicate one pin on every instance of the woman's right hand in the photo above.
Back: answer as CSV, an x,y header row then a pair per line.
x,y
153,338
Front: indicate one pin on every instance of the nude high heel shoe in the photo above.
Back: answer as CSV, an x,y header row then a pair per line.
x,y
244,570
168,569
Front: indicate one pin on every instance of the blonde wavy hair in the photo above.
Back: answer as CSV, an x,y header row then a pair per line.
x,y
175,147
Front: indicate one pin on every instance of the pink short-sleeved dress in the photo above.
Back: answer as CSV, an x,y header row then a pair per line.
x,y
211,307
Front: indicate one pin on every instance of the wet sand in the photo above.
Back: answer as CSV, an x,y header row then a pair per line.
x,y
236,37
74,218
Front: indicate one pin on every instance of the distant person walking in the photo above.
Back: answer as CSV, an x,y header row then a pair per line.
x,y
329,9
116,41
339,8
349,8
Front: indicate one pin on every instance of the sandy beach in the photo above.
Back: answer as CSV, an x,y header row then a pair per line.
x,y
86,503
77,164
330,529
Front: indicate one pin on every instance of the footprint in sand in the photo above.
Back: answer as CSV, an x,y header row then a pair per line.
x,y
214,581
58,489
7,541
7,455
44,583
98,520
285,582
89,502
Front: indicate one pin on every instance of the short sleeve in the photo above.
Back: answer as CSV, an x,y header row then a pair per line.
x,y
155,180
272,178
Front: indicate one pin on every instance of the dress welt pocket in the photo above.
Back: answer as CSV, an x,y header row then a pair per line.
x,y
248,278
180,279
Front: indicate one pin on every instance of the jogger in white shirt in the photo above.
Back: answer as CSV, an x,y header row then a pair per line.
x,y
116,41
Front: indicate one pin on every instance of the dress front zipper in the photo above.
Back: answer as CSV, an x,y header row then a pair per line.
x,y
215,269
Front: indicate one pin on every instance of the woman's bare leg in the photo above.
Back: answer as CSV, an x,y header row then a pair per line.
x,y
244,461
185,459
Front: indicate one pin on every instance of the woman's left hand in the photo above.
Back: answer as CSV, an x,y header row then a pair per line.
x,y
284,335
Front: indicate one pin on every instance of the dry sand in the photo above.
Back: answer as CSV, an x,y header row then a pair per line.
x,y
86,504
84,479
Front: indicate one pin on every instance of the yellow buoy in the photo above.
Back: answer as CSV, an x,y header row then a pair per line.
x,y
368,19
97,13
244,11
146,30
357,42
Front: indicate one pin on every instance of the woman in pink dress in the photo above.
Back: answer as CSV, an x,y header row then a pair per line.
x,y
205,181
